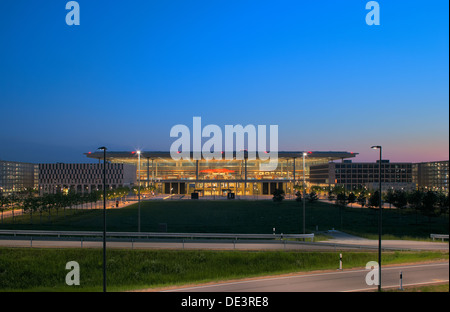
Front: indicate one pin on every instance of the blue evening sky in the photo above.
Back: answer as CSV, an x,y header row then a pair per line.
x,y
133,69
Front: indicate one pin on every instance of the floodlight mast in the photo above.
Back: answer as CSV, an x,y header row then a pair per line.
x,y
104,216
378,147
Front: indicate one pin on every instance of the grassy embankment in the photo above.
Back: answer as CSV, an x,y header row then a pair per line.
x,y
30,269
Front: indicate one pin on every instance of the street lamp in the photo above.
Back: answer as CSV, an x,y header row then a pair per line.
x,y
139,190
304,193
104,217
379,219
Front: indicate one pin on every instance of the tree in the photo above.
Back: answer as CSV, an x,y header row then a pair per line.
x,y
40,204
415,201
30,205
429,202
338,189
341,202
298,195
351,198
317,189
12,200
400,199
48,202
341,199
65,202
374,200
59,201
3,202
390,197
93,197
443,202
361,199
278,195
313,197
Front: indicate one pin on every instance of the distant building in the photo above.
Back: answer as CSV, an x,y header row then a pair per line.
x,y
18,176
431,176
84,178
354,175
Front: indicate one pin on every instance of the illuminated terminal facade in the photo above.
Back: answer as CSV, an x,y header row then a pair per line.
x,y
219,177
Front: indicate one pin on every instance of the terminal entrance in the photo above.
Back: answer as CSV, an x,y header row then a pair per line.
x,y
222,189
269,187
218,188
174,188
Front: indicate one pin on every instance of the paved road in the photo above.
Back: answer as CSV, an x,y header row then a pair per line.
x,y
332,281
239,245
339,241
341,238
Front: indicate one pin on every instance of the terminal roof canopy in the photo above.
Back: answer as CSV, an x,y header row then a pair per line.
x,y
131,155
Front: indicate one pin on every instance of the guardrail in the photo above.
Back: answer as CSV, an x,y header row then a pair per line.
x,y
156,235
441,236
132,238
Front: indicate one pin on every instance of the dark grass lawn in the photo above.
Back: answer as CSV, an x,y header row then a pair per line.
x,y
240,216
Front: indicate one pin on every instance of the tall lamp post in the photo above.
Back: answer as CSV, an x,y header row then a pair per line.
x,y
379,219
139,190
104,217
304,193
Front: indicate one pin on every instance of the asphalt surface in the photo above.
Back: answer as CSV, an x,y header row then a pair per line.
x,y
217,245
339,241
332,281
341,238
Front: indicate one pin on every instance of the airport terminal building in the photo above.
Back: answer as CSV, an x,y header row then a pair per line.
x,y
218,177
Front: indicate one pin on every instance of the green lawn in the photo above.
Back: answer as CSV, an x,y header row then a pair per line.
x,y
241,216
33,269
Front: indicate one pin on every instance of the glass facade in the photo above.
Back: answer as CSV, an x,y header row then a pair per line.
x,y
218,177
431,176
17,176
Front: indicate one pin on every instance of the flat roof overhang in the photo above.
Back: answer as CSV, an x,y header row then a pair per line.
x,y
112,155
